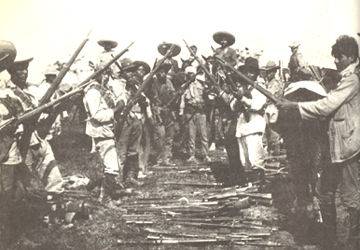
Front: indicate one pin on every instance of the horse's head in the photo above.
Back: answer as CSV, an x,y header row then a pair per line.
x,y
185,64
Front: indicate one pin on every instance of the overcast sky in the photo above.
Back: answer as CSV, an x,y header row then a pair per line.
x,y
48,30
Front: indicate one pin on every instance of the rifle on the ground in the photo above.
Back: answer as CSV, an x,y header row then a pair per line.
x,y
8,128
25,139
133,99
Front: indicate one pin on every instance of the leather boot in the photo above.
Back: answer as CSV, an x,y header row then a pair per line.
x,y
111,184
353,242
328,212
133,171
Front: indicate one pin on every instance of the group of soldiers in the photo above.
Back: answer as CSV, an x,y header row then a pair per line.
x,y
132,108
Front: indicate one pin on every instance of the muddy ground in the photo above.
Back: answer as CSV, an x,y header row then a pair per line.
x,y
105,226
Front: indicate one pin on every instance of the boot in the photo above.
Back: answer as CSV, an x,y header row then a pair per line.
x,y
131,180
110,185
132,164
353,242
328,212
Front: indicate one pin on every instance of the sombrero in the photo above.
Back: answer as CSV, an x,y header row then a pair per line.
x,y
144,64
165,46
220,34
7,54
104,42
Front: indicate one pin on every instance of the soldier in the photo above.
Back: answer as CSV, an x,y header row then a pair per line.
x,y
277,89
224,99
145,144
11,162
40,157
128,143
225,39
192,106
102,110
297,61
106,55
342,106
162,92
251,123
174,72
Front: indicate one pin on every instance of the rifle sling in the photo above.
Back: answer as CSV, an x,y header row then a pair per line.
x,y
47,172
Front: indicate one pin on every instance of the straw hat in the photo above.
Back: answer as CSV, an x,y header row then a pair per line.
x,y
294,44
104,42
163,47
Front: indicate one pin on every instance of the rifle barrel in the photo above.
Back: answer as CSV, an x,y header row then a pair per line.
x,y
201,64
63,72
262,90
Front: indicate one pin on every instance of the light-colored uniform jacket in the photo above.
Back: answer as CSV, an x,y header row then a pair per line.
x,y
100,123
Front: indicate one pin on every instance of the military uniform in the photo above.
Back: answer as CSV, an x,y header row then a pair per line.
x,y
99,101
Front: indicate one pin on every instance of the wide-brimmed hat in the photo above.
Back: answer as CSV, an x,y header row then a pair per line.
x,y
22,60
270,65
127,64
25,60
218,36
50,70
144,64
7,54
163,47
294,44
104,42
251,62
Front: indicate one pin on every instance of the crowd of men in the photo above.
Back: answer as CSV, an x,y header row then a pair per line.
x,y
206,100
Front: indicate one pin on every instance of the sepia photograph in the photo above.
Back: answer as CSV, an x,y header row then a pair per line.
x,y
179,125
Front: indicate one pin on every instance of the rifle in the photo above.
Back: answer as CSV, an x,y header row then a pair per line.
x,y
197,234
25,139
137,94
181,91
212,79
8,128
262,90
